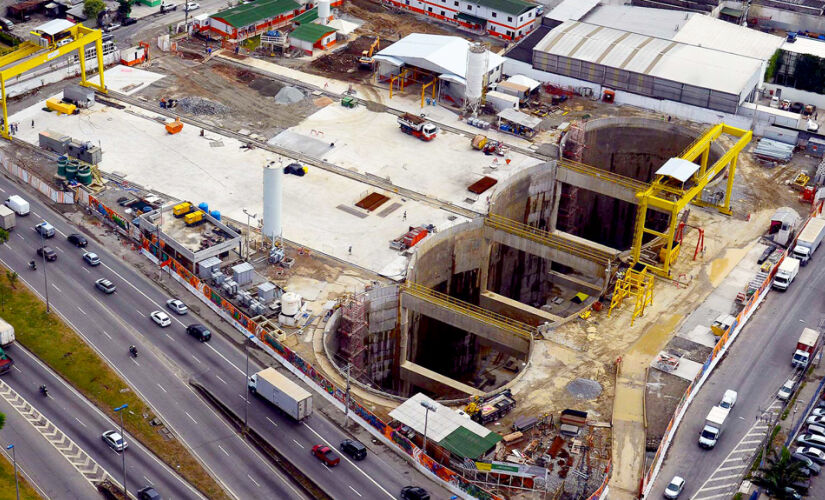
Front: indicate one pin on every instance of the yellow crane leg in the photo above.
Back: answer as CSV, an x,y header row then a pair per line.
x,y
4,131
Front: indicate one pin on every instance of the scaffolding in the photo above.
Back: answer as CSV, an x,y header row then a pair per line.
x,y
353,331
639,285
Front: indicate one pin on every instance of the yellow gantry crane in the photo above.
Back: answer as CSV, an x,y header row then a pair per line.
x,y
47,42
680,181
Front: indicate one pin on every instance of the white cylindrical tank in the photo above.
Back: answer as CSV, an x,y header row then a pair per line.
x,y
273,199
476,67
290,304
323,11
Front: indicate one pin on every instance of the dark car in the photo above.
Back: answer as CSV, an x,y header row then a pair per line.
x,y
767,253
326,455
47,252
354,449
77,240
148,493
414,493
129,21
808,463
199,331
802,486
796,107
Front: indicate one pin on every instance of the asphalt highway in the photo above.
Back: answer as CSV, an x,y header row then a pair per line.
x,y
168,358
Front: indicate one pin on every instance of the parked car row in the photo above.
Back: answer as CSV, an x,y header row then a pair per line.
x,y
811,451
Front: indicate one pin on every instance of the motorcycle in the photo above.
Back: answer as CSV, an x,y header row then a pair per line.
x,y
133,351
43,390
33,265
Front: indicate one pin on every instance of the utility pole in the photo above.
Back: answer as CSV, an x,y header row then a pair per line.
x,y
248,229
346,403
119,411
14,460
45,275
428,407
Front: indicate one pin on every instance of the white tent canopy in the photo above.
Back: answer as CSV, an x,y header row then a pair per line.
x,y
437,53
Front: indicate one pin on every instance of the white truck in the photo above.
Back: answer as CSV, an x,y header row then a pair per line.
x,y
787,271
809,240
714,425
7,219
285,394
805,348
18,204
6,334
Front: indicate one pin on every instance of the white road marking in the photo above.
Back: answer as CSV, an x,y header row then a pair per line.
x,y
134,361
81,310
356,491
107,335
55,287
224,451
86,270
36,214
728,485
6,245
21,236
219,378
79,422
59,249
712,496
16,368
251,479
271,422
730,476
728,468
148,481
196,359
170,337
224,358
162,389
190,417
299,444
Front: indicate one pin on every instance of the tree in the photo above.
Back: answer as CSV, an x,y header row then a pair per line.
x,y
4,236
2,420
92,8
5,295
124,8
780,472
12,277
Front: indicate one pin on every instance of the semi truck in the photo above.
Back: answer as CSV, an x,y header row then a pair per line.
x,y
7,219
805,348
6,334
285,394
809,240
787,271
417,126
714,426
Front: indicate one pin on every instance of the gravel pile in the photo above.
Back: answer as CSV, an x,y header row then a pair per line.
x,y
289,95
584,388
201,106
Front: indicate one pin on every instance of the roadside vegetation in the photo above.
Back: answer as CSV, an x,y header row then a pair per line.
x,y
57,345
7,489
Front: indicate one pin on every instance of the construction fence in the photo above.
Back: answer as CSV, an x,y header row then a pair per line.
x,y
306,372
63,197
721,347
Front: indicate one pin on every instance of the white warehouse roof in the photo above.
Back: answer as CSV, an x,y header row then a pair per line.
x,y
436,53
571,9
712,33
657,57
661,23
805,45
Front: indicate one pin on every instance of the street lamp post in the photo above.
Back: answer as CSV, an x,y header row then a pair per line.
x,y
119,411
346,403
248,229
428,407
45,275
246,383
14,460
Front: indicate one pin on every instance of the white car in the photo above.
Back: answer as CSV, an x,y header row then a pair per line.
x,y
161,318
816,429
115,440
786,390
177,306
192,6
818,412
728,399
814,454
816,420
677,484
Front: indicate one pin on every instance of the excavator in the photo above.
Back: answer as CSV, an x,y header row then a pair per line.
x,y
366,61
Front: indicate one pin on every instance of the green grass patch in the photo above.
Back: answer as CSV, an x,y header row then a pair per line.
x,y
738,496
253,43
7,491
51,340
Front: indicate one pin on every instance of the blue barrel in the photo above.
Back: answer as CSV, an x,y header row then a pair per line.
x,y
216,214
204,206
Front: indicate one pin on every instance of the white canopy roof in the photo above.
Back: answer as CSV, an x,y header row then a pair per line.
x,y
523,80
678,168
436,53
54,26
516,116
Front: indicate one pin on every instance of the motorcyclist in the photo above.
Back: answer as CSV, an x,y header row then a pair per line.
x,y
43,390
133,350
32,264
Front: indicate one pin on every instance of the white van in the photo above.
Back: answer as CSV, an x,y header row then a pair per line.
x,y
18,204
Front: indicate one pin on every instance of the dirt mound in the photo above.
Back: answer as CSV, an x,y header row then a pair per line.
x,y
267,87
201,106
289,95
382,21
344,63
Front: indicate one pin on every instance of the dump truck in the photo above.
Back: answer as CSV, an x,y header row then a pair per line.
x,y
787,271
714,426
492,409
6,333
285,394
7,219
417,126
809,240
805,348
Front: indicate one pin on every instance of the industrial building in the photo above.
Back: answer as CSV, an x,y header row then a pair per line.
x,y
505,19
309,37
250,19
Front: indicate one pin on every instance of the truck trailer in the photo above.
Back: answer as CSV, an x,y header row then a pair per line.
x,y
714,426
6,333
809,240
417,126
285,394
7,219
805,348
787,271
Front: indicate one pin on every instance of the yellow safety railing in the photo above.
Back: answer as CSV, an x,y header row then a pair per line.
x,y
515,327
604,175
547,238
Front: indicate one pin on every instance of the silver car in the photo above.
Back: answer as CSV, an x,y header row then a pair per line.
x,y
677,484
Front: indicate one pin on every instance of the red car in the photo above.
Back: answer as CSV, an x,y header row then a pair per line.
x,y
326,455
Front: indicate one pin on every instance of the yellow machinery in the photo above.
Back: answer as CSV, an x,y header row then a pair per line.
x,y
181,209
672,191
61,107
636,283
366,61
49,41
193,217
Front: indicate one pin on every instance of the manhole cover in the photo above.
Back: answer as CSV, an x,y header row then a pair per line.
x,y
584,388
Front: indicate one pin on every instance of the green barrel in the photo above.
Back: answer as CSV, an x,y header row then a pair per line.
x,y
71,170
84,174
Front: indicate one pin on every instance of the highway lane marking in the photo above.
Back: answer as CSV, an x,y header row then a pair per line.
x,y
21,236
196,359
60,249
224,451
107,335
271,422
350,462
170,337
219,378
79,422
299,444
356,491
253,480
164,390
81,310
86,270
134,361
6,245
16,368
190,417
148,481
55,287
224,358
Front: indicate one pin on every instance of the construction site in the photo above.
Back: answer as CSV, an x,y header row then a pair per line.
x,y
523,285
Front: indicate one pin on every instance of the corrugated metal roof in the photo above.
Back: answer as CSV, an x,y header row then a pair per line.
x,y
679,62
712,33
440,423
311,32
251,13
437,53
467,444
515,7
571,9
306,17
661,23
805,45
54,26
523,119
678,168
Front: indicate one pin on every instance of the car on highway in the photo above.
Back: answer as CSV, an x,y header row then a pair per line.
x,y
807,463
786,390
77,240
675,487
728,399
114,440
199,331
44,229
816,429
814,440
814,454
91,258
47,252
354,449
161,318
129,21
190,6
414,493
813,419
325,454
105,285
148,493
177,306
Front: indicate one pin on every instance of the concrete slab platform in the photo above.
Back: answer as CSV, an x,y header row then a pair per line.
x,y
700,334
686,370
127,80
230,178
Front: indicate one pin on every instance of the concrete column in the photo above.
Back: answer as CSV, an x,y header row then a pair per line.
x,y
554,212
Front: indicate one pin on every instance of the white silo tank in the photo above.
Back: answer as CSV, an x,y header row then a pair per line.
x,y
273,199
476,67
290,304
323,11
